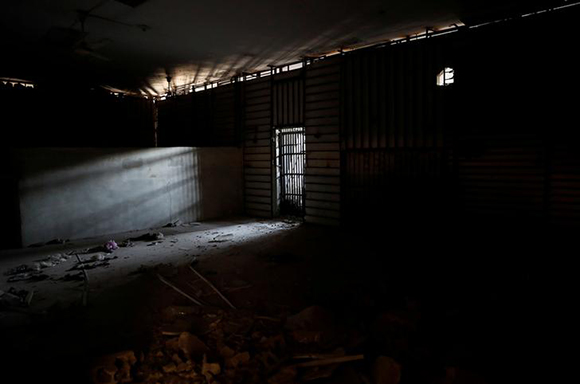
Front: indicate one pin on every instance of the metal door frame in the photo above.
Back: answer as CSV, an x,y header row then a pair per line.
x,y
282,162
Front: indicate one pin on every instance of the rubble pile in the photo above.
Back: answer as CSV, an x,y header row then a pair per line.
x,y
209,345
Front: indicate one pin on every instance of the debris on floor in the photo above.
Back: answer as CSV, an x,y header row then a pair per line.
x,y
126,243
95,261
15,298
31,275
19,270
148,237
51,261
222,238
235,346
172,224
110,246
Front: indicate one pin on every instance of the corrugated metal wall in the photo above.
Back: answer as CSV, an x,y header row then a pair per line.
x,y
383,140
514,121
257,127
395,152
322,120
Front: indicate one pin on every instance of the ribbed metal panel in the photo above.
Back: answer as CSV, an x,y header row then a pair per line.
x,y
395,151
257,128
322,120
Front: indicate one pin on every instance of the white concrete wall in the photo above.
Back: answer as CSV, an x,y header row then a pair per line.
x,y
73,193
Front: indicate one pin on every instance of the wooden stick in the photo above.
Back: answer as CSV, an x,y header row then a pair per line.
x,y
239,288
86,286
318,356
179,290
332,360
212,286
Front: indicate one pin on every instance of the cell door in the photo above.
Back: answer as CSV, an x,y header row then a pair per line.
x,y
290,164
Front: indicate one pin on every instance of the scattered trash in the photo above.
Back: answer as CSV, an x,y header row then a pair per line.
x,y
73,277
111,246
85,296
222,238
212,287
28,276
127,243
172,224
19,270
148,237
164,281
98,257
154,243
96,261
15,298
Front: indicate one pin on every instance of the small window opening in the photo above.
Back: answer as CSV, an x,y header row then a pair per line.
x,y
446,77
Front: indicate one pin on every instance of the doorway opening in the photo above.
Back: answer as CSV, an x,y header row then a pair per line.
x,y
290,164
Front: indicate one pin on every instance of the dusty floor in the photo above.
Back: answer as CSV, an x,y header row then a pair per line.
x,y
427,306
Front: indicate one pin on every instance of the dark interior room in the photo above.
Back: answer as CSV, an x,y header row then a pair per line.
x,y
288,191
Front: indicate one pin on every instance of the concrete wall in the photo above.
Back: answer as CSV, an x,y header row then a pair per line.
x,y
81,192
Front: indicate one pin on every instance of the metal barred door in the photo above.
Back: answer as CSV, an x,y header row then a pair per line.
x,y
292,159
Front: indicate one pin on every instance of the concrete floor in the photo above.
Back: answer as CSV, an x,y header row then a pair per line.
x,y
180,246
475,307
